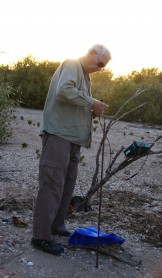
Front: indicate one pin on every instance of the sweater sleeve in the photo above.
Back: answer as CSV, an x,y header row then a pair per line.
x,y
67,90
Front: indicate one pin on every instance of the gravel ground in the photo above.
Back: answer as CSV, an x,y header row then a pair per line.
x,y
131,207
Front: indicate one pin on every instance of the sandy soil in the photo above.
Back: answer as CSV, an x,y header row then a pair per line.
x,y
131,207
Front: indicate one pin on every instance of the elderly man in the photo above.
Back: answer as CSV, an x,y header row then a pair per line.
x,y
67,125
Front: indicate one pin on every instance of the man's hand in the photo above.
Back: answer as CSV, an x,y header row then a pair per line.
x,y
98,108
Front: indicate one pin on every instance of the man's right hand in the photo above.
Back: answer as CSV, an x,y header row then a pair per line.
x,y
98,107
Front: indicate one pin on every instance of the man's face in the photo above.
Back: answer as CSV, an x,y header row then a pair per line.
x,y
96,62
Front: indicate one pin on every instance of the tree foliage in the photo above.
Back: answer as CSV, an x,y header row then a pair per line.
x,y
123,87
31,78
101,83
7,105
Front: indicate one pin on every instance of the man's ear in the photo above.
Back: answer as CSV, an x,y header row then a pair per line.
x,y
92,52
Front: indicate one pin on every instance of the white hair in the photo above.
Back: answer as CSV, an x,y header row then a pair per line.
x,y
101,50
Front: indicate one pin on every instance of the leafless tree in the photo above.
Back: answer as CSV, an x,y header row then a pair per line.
x,y
114,167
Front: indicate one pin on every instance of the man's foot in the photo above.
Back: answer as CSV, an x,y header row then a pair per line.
x,y
48,246
64,233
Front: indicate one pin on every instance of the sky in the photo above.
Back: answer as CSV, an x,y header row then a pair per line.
x,y
55,30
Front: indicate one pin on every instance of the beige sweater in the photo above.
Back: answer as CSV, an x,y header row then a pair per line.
x,y
67,110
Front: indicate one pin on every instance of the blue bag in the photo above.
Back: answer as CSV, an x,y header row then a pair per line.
x,y
89,236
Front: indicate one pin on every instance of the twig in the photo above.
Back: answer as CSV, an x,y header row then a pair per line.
x,y
111,172
113,120
135,95
128,112
108,252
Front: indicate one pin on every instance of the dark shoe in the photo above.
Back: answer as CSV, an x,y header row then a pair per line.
x,y
65,233
48,246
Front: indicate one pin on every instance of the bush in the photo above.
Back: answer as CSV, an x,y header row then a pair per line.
x,y
33,78
7,106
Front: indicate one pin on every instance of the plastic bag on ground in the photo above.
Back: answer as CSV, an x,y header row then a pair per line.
x,y
89,236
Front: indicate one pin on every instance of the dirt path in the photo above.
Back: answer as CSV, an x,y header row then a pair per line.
x,y
131,208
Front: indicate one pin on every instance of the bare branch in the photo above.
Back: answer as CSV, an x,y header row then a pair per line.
x,y
158,138
112,168
111,172
128,112
135,95
114,159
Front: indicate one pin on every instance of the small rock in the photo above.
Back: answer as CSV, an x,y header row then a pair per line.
x,y
29,263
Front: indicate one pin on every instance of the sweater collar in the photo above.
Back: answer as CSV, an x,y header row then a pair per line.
x,y
82,61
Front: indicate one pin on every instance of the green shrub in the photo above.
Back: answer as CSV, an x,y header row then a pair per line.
x,y
33,79
24,145
7,106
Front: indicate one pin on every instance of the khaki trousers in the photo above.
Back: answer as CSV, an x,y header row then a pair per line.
x,y
57,177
